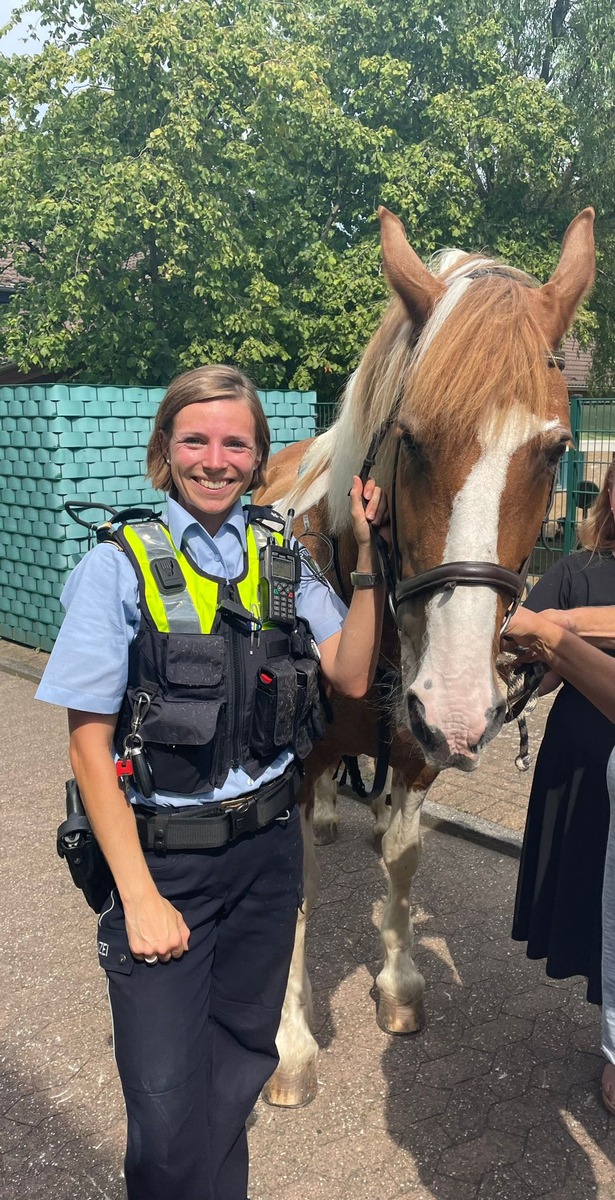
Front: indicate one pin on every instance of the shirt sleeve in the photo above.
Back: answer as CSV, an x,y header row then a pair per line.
x,y
88,667
318,604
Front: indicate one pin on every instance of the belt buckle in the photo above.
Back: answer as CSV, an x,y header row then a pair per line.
x,y
242,816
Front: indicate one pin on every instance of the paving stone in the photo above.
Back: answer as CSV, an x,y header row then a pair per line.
x,y
585,1107
473,1159
468,1109
14,1134
422,1148
561,1075
500,1032
444,1035
545,1158
483,1002
552,1032
572,1189
454,1068
444,1188
523,1113
419,1103
532,1002
503,1183
511,1071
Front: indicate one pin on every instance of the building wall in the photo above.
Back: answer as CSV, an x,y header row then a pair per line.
x,y
62,442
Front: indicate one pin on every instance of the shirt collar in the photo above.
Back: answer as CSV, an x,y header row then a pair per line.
x,y
182,525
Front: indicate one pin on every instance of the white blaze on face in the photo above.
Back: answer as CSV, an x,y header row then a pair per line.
x,y
455,678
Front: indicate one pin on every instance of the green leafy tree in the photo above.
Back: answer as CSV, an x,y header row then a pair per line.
x,y
196,180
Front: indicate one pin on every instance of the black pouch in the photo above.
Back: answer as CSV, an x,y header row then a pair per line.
x,y
76,843
308,722
274,707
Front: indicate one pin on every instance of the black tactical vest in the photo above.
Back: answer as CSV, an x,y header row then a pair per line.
x,y
222,692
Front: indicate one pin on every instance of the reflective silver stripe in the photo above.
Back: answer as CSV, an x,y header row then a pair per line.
x,y
261,535
178,606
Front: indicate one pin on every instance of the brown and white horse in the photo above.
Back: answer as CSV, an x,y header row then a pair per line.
x,y
461,381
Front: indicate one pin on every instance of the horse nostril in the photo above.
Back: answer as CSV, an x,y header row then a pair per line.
x,y
416,719
494,717
416,708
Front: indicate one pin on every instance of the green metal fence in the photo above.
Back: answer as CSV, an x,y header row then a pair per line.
x,y
326,413
580,476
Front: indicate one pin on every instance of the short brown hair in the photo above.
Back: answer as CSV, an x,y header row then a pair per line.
x,y
217,382
597,531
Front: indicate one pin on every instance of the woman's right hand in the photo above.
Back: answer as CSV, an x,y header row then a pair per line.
x,y
155,928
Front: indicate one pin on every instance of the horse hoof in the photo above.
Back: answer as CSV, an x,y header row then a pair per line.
x,y
395,1017
291,1090
325,833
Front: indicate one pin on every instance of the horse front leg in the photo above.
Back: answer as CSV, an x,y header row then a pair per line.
x,y
324,825
381,810
294,1082
400,985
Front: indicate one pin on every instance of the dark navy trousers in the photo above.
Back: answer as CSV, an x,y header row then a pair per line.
x,y
195,1037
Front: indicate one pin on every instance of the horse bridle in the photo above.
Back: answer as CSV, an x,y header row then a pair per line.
x,y
450,575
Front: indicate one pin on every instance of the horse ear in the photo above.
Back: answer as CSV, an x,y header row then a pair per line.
x,y
405,272
559,299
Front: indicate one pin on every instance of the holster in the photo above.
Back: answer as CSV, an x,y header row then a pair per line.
x,y
76,843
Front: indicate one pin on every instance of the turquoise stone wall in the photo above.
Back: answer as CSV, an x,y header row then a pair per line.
x,y
62,442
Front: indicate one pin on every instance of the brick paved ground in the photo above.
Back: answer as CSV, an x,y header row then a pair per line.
x,y
497,1098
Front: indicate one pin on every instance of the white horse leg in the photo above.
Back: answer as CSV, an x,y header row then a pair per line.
x,y
382,810
294,1082
400,985
325,808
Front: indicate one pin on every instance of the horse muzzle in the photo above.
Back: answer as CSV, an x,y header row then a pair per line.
x,y
452,741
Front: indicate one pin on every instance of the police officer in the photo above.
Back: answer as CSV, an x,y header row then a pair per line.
x,y
187,715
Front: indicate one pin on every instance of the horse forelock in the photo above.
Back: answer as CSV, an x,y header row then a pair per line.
x,y
481,354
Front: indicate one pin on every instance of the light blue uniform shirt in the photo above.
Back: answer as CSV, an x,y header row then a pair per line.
x,y
88,667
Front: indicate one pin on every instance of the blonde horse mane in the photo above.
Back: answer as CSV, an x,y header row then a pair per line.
x,y
481,352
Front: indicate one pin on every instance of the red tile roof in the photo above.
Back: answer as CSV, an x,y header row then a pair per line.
x,y
9,277
578,365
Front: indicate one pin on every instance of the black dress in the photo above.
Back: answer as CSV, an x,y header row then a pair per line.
x,y
559,891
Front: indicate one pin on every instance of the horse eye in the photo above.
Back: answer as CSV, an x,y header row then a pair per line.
x,y
414,451
409,442
555,453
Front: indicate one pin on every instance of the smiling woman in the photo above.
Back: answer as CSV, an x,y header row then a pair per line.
x,y
192,690
211,385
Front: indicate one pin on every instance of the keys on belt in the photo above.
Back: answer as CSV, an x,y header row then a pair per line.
x,y
166,831
242,816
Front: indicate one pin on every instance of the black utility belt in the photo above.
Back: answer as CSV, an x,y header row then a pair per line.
x,y
209,826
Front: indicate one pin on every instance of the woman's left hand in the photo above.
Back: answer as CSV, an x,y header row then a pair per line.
x,y
368,506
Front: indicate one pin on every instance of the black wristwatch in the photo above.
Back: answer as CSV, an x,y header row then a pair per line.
x,y
360,580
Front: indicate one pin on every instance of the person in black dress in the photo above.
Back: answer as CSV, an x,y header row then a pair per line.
x,y
559,891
